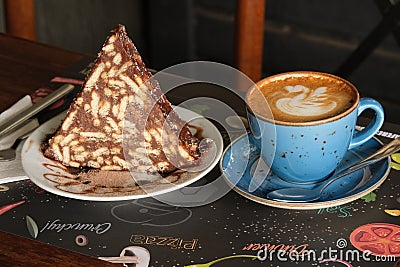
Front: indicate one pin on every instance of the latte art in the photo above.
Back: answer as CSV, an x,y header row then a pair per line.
x,y
302,97
305,102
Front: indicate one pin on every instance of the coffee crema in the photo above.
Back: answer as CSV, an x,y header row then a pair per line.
x,y
302,97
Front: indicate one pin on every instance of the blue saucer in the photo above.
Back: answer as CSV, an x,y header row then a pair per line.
x,y
242,168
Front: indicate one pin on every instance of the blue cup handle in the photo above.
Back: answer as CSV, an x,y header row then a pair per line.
x,y
372,128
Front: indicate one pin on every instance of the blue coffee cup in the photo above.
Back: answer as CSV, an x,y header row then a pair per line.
x,y
306,152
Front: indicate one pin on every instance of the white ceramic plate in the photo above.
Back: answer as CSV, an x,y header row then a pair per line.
x,y
55,178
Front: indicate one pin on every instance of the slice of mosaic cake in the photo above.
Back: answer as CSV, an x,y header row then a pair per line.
x,y
121,120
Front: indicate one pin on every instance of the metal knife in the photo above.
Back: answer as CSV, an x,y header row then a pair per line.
x,y
12,123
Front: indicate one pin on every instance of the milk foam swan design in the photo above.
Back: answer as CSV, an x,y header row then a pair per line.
x,y
306,102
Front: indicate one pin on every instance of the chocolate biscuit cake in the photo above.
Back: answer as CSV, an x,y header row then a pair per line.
x,y
121,120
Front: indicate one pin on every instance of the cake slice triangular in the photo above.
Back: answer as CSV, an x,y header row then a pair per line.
x,y
121,120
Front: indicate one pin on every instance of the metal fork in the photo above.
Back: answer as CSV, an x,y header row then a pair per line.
x,y
10,154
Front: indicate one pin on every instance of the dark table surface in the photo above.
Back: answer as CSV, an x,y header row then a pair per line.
x,y
73,232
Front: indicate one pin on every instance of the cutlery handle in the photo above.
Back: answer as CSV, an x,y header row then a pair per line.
x,y
14,122
380,154
385,151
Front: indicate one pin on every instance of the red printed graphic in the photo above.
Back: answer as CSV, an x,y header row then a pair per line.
x,y
67,80
6,208
379,238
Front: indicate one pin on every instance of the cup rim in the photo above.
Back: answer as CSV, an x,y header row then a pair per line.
x,y
302,73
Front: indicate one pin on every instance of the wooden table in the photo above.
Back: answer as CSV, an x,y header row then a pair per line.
x,y
24,67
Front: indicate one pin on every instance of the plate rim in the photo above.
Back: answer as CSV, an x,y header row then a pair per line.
x,y
46,127
301,205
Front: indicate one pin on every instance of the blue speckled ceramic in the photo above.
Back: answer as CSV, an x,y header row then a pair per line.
x,y
310,151
241,165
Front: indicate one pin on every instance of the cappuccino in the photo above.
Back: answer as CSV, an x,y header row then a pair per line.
x,y
302,97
